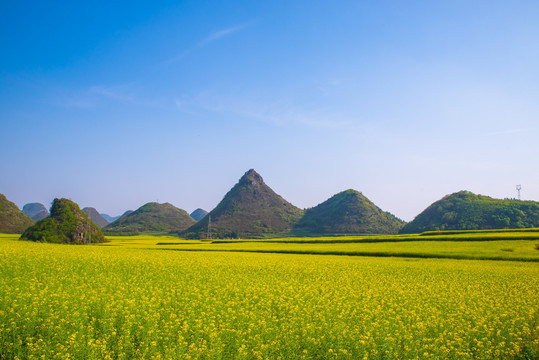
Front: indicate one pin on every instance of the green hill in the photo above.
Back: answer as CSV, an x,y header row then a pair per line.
x,y
35,211
95,217
67,224
249,209
348,212
12,219
467,211
152,217
199,214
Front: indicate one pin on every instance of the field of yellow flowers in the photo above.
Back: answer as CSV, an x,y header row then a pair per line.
x,y
122,302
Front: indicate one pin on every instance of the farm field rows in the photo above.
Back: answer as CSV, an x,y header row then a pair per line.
x,y
522,250
127,301
518,250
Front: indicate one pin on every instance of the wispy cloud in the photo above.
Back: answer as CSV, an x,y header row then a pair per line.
x,y
121,93
223,33
214,36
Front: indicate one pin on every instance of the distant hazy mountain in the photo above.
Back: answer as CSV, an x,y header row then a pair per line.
x,y
12,219
152,217
67,224
199,214
95,217
467,211
36,211
110,218
114,218
348,212
249,209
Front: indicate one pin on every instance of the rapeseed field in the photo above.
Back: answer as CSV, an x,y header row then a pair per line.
x,y
120,302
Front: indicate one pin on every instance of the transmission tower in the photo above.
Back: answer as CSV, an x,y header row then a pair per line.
x,y
208,235
518,189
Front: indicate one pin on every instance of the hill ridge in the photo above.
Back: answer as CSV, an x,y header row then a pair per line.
x,y
249,209
464,210
152,217
95,216
348,212
12,219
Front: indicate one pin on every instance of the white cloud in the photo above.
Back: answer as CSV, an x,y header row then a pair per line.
x,y
223,33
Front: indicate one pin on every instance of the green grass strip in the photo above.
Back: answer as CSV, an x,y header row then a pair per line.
x,y
360,253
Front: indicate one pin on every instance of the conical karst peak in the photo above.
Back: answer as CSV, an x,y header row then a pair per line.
x,y
252,177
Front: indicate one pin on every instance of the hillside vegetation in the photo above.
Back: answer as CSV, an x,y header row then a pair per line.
x,y
152,217
67,224
249,209
12,219
348,212
467,211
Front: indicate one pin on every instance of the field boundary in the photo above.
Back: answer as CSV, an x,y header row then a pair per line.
x,y
361,253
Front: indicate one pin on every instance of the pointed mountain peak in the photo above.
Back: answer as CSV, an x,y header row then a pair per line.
x,y
250,208
251,177
95,216
199,214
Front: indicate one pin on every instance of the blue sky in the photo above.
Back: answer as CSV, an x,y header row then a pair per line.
x,y
117,104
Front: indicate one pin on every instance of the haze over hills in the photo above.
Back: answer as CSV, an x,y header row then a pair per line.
x,y
67,224
110,218
348,212
467,211
249,209
152,217
199,214
36,211
12,219
95,216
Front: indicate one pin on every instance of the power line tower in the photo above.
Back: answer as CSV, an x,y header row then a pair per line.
x,y
518,189
208,234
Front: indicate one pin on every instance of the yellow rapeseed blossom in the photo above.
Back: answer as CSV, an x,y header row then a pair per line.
x,y
99,302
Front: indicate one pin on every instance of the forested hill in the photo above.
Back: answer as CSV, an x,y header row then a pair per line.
x,y
467,211
250,209
348,212
12,219
151,217
67,224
